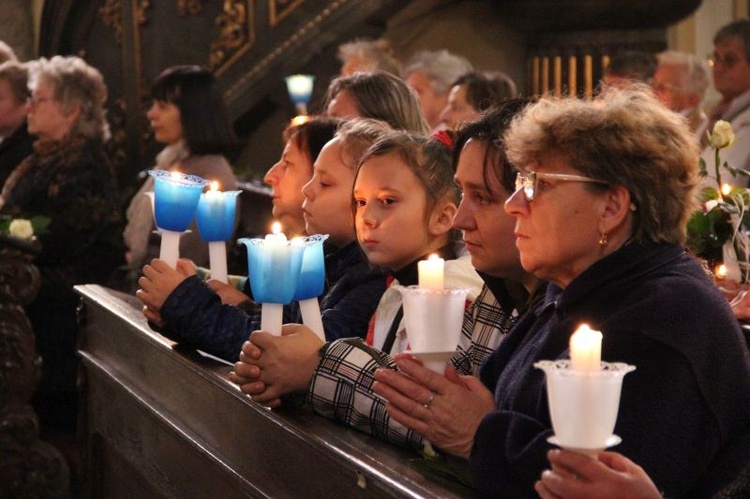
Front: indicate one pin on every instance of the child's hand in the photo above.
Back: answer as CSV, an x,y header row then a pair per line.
x,y
272,366
157,283
229,294
154,317
186,267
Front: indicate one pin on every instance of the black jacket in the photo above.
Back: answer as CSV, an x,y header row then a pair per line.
x,y
684,412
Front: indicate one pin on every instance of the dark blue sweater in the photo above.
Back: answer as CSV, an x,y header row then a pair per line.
x,y
195,316
684,412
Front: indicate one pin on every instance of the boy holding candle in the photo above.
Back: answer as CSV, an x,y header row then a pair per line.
x,y
193,314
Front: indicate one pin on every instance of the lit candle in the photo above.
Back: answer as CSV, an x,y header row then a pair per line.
x,y
276,236
585,349
721,272
726,189
215,219
176,197
274,266
431,272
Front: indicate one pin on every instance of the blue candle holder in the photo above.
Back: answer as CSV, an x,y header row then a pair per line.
x,y
312,275
274,268
176,199
215,215
311,282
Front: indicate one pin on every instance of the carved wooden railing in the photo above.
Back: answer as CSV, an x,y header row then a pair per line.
x,y
28,466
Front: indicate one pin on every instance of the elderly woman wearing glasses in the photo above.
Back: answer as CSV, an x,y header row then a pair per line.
x,y
68,180
604,192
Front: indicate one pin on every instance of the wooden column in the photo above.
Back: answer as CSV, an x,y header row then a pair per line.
x,y
28,466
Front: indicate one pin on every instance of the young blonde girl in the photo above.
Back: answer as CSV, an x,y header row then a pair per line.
x,y
404,201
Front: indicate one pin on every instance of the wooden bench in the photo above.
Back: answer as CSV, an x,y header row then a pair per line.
x,y
163,421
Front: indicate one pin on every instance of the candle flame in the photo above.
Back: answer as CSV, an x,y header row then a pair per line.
x,y
214,186
300,120
726,189
433,257
298,241
175,175
276,228
721,271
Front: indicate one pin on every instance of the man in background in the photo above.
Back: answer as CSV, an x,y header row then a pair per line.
x,y
731,75
15,142
680,83
431,75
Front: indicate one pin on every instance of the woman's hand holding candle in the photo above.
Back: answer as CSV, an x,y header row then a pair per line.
x,y
586,349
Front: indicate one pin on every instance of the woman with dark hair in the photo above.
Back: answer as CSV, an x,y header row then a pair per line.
x,y
295,168
190,118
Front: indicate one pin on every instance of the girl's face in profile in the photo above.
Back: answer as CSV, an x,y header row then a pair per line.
x,y
164,119
328,196
390,216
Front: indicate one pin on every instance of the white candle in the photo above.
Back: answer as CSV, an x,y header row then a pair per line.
x,y
276,235
585,349
431,272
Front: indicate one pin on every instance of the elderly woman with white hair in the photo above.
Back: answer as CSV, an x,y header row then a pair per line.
x,y
68,180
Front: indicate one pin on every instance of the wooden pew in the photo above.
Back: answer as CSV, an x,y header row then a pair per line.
x,y
162,421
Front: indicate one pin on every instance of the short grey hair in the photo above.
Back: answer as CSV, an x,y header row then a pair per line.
x,y
697,77
440,67
379,54
75,82
6,53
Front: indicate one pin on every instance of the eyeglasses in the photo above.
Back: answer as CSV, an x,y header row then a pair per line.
x,y
528,182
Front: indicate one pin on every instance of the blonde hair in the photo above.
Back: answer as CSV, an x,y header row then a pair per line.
x,y
356,137
76,82
382,96
624,138
376,54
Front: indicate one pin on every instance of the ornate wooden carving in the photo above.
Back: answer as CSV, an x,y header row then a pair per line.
x,y
28,466
111,14
236,34
279,9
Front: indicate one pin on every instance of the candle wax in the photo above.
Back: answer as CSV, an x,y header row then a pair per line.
x,y
585,349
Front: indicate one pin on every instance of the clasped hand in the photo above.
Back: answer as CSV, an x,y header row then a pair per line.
x,y
273,366
445,410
